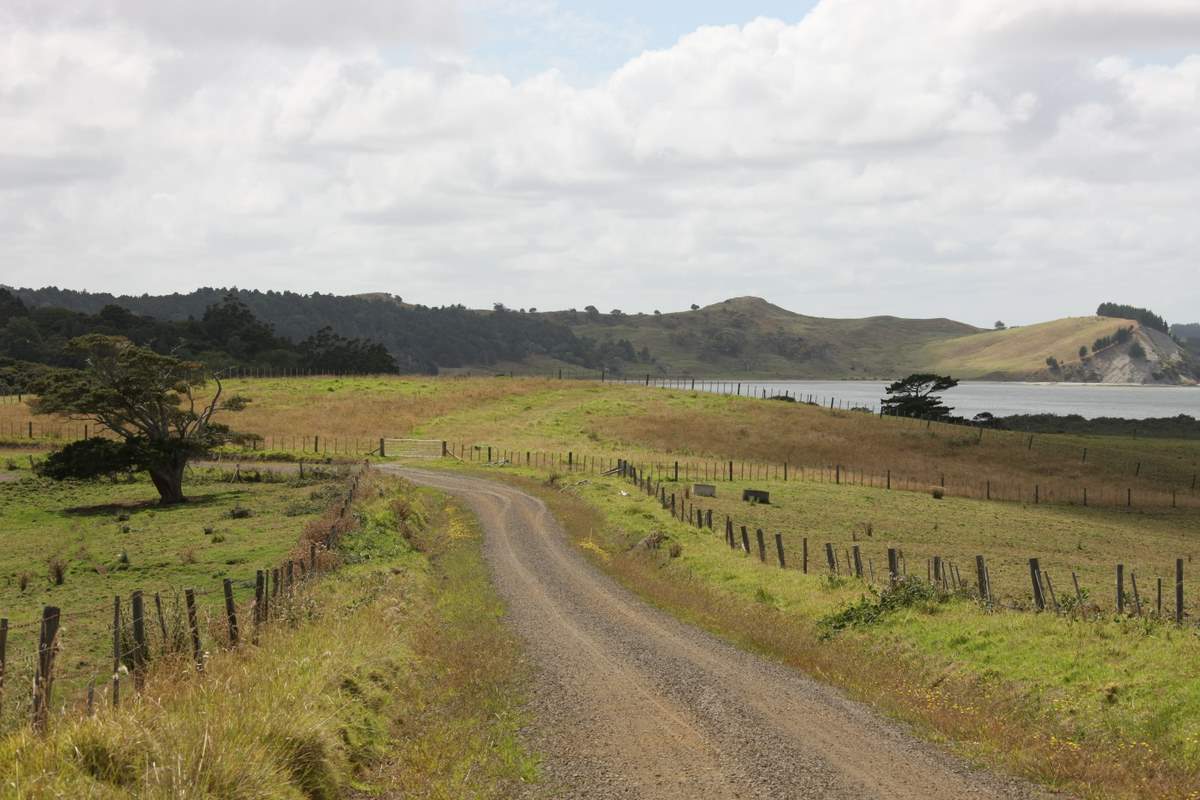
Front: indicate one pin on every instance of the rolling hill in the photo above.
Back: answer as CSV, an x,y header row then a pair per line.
x,y
747,336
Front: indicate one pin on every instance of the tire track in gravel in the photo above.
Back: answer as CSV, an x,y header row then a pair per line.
x,y
629,702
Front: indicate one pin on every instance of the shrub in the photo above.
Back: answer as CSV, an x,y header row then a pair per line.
x,y
238,512
1137,351
23,581
937,492
58,570
906,592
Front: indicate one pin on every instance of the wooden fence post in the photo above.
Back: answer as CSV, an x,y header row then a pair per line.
x,y
44,680
745,540
138,612
804,561
858,573
162,621
190,598
1035,575
3,654
779,550
981,578
259,584
829,559
893,565
230,612
1120,588
1179,591
312,557
116,669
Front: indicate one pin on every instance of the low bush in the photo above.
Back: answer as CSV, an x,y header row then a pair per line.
x,y
907,592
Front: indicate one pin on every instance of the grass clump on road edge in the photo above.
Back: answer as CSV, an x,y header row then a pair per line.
x,y
400,679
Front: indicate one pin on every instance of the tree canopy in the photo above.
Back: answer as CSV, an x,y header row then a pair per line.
x,y
227,334
148,401
1143,315
915,396
419,338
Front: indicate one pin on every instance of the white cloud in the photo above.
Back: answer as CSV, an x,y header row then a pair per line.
x,y
1013,159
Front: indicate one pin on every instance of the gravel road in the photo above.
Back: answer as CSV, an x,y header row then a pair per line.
x,y
629,702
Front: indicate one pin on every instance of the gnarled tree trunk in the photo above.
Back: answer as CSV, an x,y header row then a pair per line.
x,y
168,479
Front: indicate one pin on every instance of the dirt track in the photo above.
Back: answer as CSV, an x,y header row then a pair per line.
x,y
632,703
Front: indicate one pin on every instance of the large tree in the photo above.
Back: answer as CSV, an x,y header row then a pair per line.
x,y
915,396
147,400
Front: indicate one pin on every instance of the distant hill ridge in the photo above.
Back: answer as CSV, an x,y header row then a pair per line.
x,y
742,336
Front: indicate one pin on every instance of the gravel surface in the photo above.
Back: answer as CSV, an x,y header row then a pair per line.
x,y
629,702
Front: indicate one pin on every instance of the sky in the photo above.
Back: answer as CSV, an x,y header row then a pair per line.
x,y
1013,160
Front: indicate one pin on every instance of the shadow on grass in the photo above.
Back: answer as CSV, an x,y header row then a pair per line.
x,y
195,501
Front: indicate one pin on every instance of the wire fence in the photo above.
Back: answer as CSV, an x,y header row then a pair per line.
x,y
72,660
857,559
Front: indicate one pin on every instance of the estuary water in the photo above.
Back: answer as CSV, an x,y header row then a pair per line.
x,y
1002,398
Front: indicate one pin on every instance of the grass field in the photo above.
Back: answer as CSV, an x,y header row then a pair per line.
x,y
349,415
111,539
393,676
1068,700
1104,707
1020,350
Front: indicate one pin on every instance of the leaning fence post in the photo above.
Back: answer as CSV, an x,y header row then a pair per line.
x,y
1035,576
762,547
857,561
45,667
189,597
745,540
137,610
779,550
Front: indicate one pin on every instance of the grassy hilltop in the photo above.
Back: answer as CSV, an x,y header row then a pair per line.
x,y
749,337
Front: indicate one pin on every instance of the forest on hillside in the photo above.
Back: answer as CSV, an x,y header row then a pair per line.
x,y
227,334
419,338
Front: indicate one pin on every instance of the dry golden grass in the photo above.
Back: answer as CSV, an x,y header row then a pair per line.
x,y
1021,350
650,425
